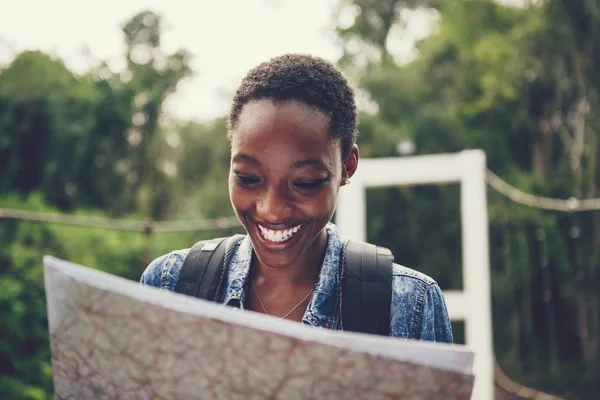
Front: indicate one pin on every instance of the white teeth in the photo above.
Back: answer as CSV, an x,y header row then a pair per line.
x,y
278,236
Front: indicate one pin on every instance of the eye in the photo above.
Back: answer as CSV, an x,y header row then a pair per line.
x,y
311,185
247,180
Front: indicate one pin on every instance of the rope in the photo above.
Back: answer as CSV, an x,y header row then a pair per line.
x,y
544,203
122,224
514,389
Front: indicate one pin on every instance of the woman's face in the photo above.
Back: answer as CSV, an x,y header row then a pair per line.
x,y
284,179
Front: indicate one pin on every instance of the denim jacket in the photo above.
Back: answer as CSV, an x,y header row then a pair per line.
x,y
418,309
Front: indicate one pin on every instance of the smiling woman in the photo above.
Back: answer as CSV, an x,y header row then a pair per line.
x,y
292,129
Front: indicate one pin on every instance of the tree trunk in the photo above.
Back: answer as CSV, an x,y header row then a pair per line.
x,y
587,316
587,297
525,283
542,145
514,326
548,303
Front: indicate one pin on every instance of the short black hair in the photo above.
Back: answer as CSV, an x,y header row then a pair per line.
x,y
311,80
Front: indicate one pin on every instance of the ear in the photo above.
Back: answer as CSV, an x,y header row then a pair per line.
x,y
350,165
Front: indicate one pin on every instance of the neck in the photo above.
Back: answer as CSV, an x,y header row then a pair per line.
x,y
304,271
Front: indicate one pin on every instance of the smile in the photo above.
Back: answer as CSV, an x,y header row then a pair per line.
x,y
278,236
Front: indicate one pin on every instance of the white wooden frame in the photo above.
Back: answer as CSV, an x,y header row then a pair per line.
x,y
472,304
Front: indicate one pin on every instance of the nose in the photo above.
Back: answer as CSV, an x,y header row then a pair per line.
x,y
274,206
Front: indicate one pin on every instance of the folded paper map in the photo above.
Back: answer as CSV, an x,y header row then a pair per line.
x,y
112,338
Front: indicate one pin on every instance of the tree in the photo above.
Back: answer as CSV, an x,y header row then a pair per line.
x,y
154,76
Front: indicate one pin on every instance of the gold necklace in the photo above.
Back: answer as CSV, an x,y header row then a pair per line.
x,y
291,311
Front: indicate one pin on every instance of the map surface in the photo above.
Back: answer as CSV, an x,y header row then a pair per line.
x,y
113,338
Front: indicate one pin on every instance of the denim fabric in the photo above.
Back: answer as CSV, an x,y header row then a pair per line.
x,y
418,309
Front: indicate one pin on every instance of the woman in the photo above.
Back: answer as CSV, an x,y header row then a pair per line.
x,y
292,129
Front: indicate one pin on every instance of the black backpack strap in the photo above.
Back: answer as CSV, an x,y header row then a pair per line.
x,y
202,270
367,289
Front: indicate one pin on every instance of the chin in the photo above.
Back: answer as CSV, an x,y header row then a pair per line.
x,y
275,262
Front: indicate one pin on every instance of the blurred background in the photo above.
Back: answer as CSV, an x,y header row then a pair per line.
x,y
113,151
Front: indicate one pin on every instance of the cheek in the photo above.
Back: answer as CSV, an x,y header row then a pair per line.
x,y
239,199
322,205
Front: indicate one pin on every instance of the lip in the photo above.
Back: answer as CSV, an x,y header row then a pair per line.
x,y
276,245
275,227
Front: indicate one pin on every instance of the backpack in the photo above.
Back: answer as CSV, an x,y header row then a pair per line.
x,y
366,280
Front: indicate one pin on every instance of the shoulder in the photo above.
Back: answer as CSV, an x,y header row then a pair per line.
x,y
418,307
163,272
401,272
410,287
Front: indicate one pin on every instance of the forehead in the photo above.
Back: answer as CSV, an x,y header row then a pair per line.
x,y
290,127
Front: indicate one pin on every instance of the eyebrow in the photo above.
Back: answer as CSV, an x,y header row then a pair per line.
x,y
298,164
309,162
247,157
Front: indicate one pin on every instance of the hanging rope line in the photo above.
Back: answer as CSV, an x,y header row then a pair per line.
x,y
544,203
121,224
511,389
